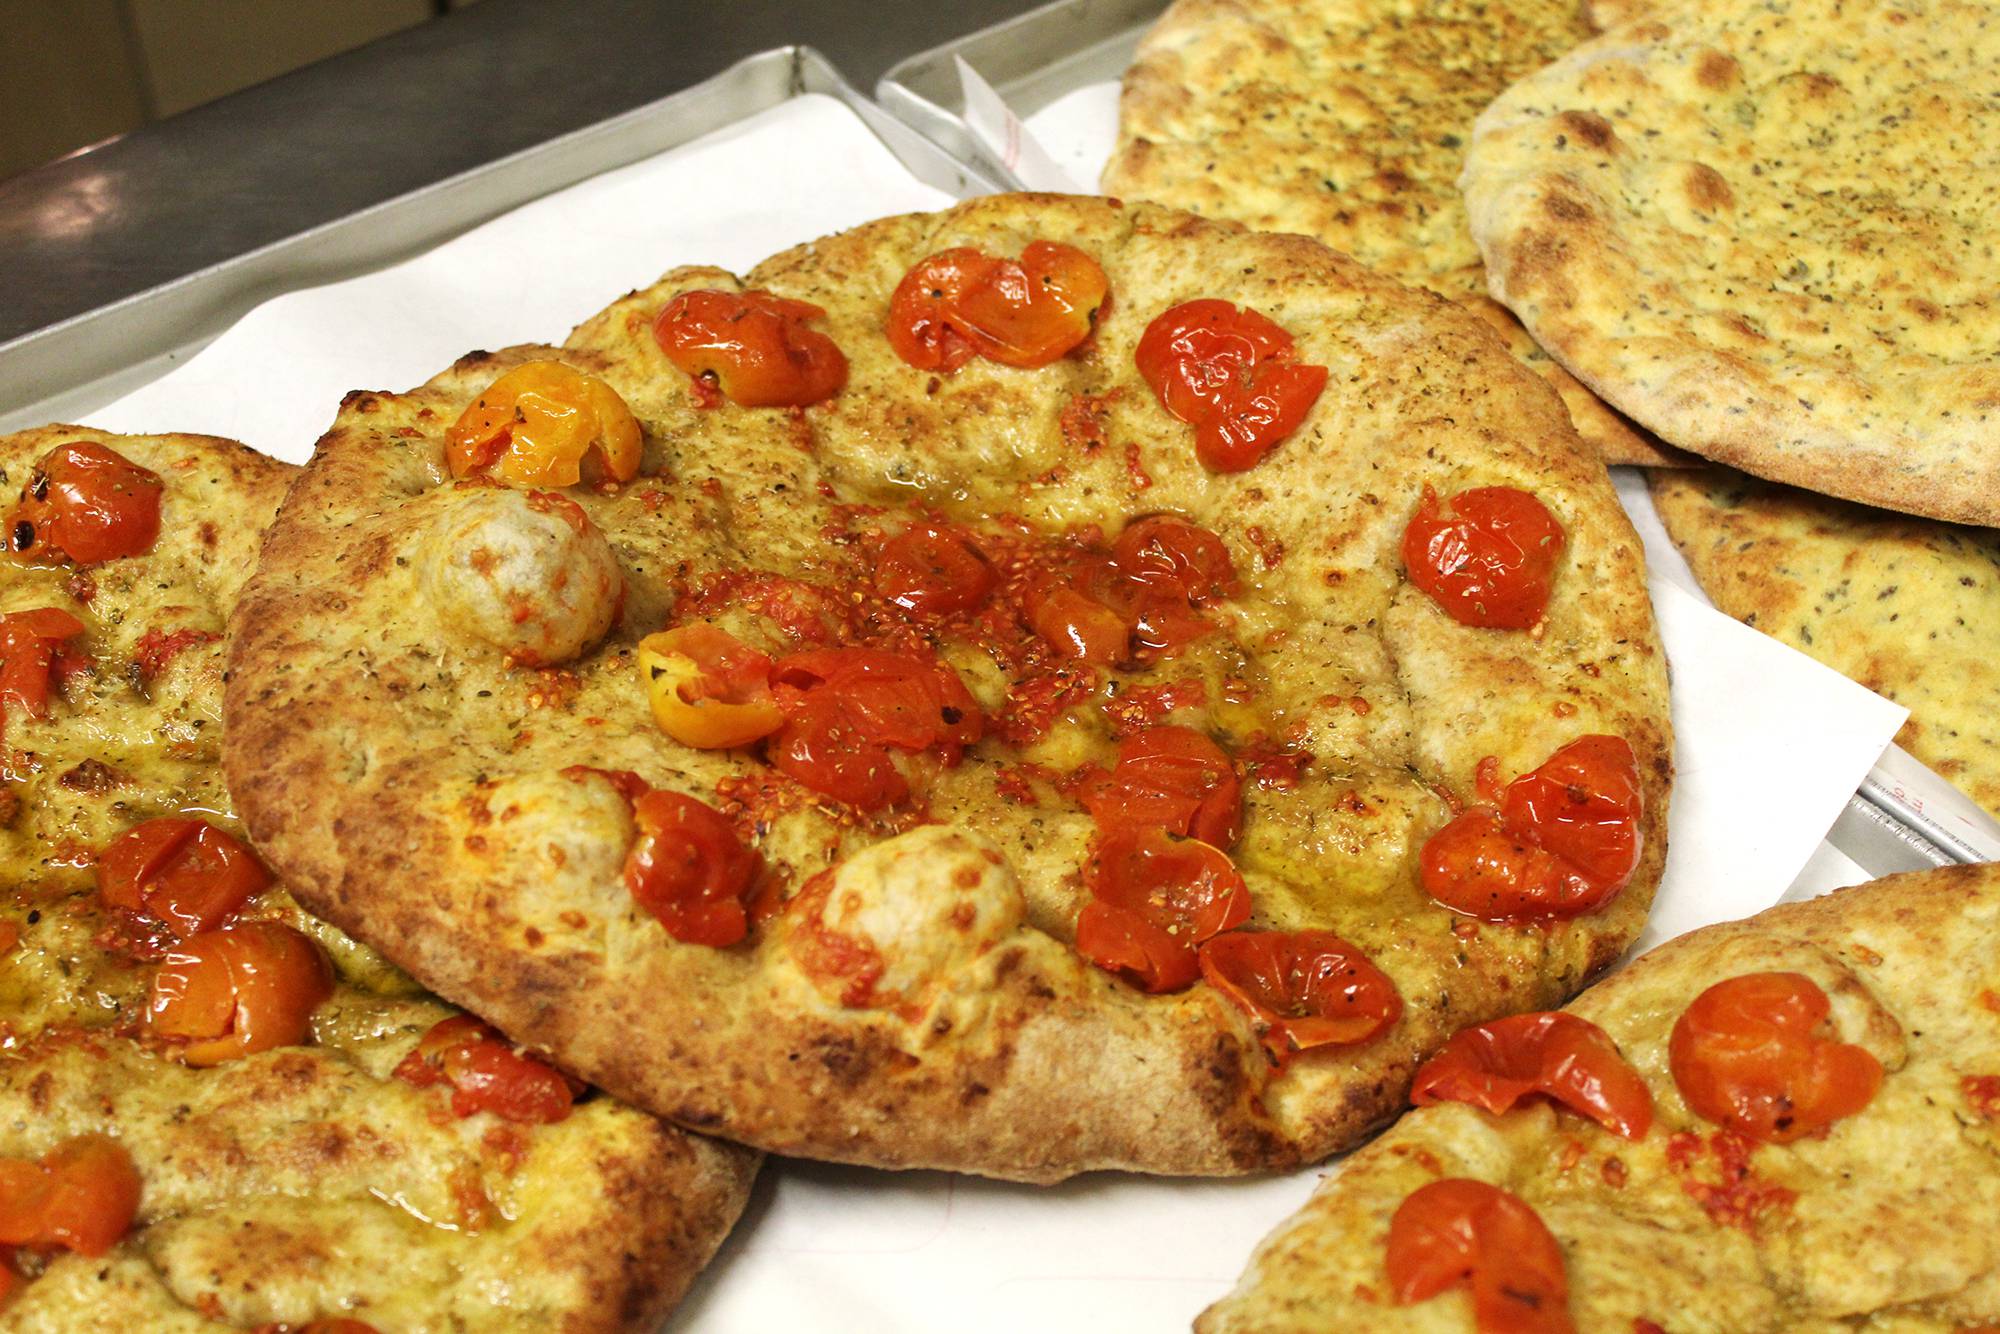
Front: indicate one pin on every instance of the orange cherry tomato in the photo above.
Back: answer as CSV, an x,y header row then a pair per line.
x,y
1756,1054
82,1196
1564,841
1232,375
930,570
1155,897
31,643
754,346
707,688
487,1074
1560,1056
1025,313
690,870
1174,778
183,871
1460,1233
1076,624
85,503
239,990
546,424
846,709
1303,988
1491,561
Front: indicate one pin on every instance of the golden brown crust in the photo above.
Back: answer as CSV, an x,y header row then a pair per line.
x,y
1888,1227
1015,1058
1343,120
1744,229
1908,607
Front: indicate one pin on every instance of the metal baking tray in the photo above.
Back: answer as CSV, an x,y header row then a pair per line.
x,y
66,370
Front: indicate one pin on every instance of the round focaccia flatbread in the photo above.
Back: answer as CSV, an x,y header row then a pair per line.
x,y
1878,1220
308,1181
1908,607
1345,120
1758,232
907,993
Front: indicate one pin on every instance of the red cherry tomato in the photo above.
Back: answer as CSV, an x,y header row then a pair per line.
x,y
1303,988
689,869
1564,841
1756,1054
1571,1060
1232,375
86,504
1491,561
1076,624
82,1195
1155,897
31,643
846,709
930,570
487,1074
754,346
1461,1233
1168,568
1026,313
239,990
1174,778
183,871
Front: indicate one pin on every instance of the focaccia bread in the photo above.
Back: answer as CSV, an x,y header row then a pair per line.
x,y
288,1183
1346,120
1760,233
1908,607
439,692
1876,1216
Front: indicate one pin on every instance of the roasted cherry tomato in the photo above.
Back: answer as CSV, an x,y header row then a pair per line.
x,y
183,871
1171,777
1563,842
1757,1055
847,709
1463,1233
1491,561
1027,312
930,570
1076,624
753,346
708,689
1169,568
239,990
546,424
82,1195
85,503
487,1074
1155,897
1303,988
31,645
689,869
1570,1060
1232,375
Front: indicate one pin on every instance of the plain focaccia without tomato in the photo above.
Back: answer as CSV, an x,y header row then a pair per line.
x,y
1908,607
303,1182
1761,231
1891,1230
1345,120
411,786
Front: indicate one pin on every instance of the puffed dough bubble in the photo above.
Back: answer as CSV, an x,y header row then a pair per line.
x,y
560,840
930,901
526,572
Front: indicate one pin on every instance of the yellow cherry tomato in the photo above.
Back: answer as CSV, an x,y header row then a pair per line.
x,y
708,689
541,424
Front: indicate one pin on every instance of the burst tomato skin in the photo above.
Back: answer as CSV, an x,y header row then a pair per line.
x,y
847,709
31,643
1463,1233
487,1074
1304,988
1754,1055
1174,778
753,345
82,1196
239,990
1491,562
1078,625
1232,375
1560,1056
545,424
86,504
929,569
1026,313
707,689
689,869
183,871
1155,897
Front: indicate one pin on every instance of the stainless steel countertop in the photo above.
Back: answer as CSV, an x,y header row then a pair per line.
x,y
272,161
